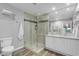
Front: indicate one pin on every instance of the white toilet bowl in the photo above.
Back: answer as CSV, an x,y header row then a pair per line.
x,y
7,48
7,51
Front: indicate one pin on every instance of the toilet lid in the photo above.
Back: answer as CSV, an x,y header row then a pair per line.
x,y
9,48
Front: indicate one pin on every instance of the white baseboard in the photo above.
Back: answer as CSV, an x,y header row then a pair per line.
x,y
18,48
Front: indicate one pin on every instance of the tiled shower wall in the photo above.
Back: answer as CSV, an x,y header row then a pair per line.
x,y
42,31
34,39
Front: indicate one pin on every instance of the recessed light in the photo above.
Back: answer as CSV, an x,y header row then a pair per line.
x,y
68,9
67,4
56,12
53,8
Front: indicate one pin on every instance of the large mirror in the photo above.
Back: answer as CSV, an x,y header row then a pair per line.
x,y
61,27
61,20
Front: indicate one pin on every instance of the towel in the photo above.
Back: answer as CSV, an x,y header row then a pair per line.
x,y
21,32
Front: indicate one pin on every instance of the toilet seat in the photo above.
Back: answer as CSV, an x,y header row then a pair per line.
x,y
8,49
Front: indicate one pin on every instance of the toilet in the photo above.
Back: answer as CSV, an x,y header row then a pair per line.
x,y
6,47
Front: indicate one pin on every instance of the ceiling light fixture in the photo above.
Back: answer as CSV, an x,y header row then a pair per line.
x,y
56,12
53,8
68,9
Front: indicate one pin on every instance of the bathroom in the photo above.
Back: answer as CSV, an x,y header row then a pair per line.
x,y
39,29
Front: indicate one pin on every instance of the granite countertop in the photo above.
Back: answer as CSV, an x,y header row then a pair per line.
x,y
62,36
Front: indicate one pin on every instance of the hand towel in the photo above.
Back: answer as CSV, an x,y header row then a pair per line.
x,y
21,32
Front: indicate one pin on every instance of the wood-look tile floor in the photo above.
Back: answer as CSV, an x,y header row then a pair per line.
x,y
26,52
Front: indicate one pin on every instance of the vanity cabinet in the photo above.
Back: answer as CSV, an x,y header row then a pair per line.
x,y
62,45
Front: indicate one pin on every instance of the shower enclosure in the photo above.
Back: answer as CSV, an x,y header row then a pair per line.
x,y
29,35
34,35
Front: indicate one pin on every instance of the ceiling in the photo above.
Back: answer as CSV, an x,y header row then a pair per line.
x,y
58,10
64,13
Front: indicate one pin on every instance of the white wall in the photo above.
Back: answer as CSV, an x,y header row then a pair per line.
x,y
9,27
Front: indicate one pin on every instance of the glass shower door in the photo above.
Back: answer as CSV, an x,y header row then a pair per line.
x,y
35,38
29,35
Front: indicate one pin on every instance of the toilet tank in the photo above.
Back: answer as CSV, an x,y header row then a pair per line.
x,y
6,41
